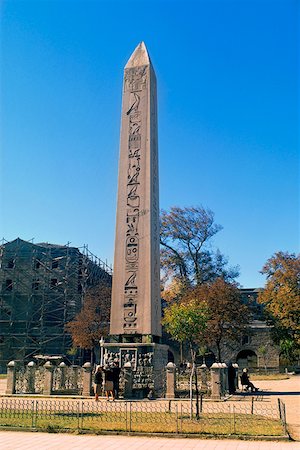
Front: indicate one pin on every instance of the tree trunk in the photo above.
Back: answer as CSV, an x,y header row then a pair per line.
x,y
197,393
193,372
92,357
219,351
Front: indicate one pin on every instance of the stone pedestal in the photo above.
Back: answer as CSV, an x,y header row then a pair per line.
x,y
87,379
224,378
11,378
62,382
148,362
203,369
31,367
48,378
215,371
236,367
171,380
128,380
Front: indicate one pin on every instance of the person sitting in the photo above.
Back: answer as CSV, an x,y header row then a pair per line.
x,y
245,380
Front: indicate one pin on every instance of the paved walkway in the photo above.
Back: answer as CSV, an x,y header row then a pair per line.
x,y
16,440
287,390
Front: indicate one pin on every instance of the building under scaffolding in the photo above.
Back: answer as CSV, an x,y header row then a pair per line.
x,y
42,287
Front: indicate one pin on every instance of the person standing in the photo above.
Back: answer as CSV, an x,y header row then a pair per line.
x,y
231,378
98,379
116,377
108,383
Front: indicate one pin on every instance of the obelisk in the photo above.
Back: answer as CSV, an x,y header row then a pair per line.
x,y
136,307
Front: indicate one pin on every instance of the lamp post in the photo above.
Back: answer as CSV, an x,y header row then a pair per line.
x,y
101,342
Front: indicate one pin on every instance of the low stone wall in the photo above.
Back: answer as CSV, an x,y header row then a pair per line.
x,y
50,379
47,379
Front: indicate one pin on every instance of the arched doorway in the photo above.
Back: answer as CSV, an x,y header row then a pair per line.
x,y
247,358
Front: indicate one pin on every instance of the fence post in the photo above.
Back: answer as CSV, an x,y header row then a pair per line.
x,y
127,380
215,380
176,410
171,380
48,378
180,417
87,379
31,368
78,416
82,414
284,418
201,403
11,378
32,414
234,428
252,405
279,408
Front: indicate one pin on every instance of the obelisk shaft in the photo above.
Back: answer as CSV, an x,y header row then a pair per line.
x,y
136,308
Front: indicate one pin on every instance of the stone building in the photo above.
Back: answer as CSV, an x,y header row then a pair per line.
x,y
255,350
42,287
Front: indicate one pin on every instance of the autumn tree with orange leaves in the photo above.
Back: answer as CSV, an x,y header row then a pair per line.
x,y
281,297
229,317
92,321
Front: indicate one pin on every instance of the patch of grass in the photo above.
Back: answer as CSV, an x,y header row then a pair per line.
x,y
3,376
146,422
269,376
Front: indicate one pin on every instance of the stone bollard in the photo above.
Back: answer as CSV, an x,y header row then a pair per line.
x,y
87,379
75,379
171,380
128,379
31,368
236,381
48,378
62,382
204,377
215,371
224,389
11,378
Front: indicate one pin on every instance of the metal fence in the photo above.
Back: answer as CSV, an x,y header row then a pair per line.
x,y
218,418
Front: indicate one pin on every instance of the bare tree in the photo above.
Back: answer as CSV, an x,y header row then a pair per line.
x,y
186,252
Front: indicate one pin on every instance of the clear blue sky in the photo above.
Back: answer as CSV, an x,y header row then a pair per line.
x,y
228,117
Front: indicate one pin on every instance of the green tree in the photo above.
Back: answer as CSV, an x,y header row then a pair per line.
x,y
281,298
186,252
186,322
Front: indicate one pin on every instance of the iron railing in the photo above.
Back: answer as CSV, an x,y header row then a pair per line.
x,y
218,418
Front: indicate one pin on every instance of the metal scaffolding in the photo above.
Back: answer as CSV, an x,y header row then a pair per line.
x,y
42,287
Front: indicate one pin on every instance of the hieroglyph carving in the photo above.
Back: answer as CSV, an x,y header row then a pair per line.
x,y
135,82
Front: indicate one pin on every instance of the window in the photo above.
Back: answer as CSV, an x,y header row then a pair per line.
x,y
53,282
54,264
245,340
8,285
11,263
35,285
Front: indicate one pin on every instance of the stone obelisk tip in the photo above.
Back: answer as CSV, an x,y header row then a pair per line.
x,y
139,57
